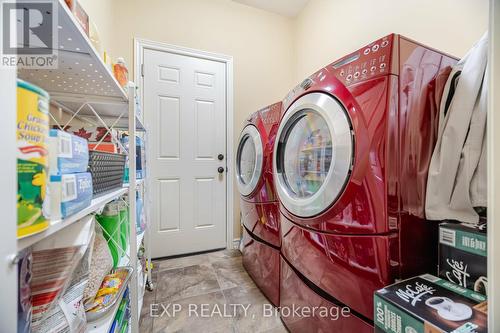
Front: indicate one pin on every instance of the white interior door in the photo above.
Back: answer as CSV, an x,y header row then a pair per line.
x,y
185,113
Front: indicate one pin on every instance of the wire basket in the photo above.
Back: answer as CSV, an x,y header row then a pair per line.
x,y
107,171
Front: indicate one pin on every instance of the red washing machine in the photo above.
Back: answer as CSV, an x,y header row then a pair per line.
x,y
259,203
350,163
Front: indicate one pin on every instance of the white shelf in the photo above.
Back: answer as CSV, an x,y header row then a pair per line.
x,y
80,78
81,75
125,260
96,204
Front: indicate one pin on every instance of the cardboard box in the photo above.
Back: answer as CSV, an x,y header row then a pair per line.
x,y
67,153
428,304
462,255
69,194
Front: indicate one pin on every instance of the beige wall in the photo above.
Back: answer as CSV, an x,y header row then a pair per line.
x,y
271,53
328,29
261,44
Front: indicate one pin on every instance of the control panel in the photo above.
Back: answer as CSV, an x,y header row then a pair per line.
x,y
271,114
368,62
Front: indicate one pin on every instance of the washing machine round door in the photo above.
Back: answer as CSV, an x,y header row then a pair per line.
x,y
313,154
249,160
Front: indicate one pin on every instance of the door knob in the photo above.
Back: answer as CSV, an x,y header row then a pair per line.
x,y
220,157
220,170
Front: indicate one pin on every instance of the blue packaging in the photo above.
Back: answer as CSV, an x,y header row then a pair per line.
x,y
69,194
68,153
139,158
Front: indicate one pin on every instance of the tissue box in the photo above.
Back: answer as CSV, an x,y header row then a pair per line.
x,y
428,304
68,153
462,255
69,194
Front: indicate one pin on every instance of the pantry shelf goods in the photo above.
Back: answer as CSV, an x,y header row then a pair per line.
x,y
80,71
86,113
97,203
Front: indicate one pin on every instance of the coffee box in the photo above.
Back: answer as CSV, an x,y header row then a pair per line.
x,y
462,255
428,304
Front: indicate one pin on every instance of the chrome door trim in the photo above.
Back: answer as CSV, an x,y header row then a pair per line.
x,y
250,132
339,124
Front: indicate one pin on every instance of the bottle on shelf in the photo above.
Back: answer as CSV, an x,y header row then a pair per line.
x,y
121,72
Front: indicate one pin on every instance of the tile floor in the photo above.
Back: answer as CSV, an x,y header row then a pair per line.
x,y
202,284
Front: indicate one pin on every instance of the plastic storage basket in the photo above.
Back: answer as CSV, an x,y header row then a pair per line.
x,y
107,170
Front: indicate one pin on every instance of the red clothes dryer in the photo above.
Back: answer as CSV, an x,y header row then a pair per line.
x,y
350,162
259,203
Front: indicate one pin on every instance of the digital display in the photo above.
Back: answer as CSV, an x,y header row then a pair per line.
x,y
345,61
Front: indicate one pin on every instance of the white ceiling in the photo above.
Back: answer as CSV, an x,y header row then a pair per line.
x,y
288,8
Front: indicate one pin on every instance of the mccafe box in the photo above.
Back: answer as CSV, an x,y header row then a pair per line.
x,y
462,255
428,304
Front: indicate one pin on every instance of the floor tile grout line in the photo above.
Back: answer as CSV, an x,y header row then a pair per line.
x,y
233,321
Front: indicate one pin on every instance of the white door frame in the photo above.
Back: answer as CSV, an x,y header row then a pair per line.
x,y
493,141
139,46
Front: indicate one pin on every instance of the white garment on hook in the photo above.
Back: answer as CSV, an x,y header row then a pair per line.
x,y
457,173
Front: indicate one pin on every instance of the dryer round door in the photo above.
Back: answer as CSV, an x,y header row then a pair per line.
x,y
249,160
313,154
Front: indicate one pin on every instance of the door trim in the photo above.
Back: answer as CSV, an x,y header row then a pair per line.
x,y
142,44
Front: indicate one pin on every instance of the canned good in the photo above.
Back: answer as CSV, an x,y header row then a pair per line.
x,y
32,158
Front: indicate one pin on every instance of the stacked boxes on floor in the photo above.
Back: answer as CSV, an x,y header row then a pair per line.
x,y
453,302
70,184
429,304
462,255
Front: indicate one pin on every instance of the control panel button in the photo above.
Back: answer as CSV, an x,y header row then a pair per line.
x,y
349,77
306,84
342,73
366,51
373,68
356,75
375,48
384,43
382,65
364,71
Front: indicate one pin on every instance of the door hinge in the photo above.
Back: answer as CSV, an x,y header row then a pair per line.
x,y
142,70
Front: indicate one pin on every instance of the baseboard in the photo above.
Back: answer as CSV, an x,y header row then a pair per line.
x,y
236,243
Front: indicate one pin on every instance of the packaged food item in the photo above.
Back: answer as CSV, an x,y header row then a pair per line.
x,y
70,194
60,273
101,263
462,255
24,301
67,153
95,134
428,304
104,147
32,159
121,72
111,291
